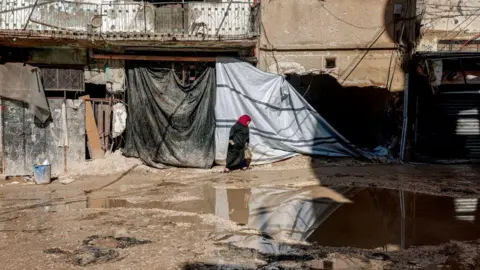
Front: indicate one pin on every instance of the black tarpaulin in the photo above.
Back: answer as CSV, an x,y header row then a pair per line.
x,y
170,123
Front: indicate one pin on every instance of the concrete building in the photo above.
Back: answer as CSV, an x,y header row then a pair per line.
x,y
448,25
353,41
345,57
82,48
444,101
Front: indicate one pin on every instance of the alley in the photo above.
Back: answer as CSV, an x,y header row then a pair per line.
x,y
179,214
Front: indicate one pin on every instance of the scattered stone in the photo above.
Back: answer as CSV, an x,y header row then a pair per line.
x,y
110,241
66,181
97,249
91,255
120,233
56,251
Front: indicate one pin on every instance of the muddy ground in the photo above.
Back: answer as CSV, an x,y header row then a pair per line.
x,y
147,219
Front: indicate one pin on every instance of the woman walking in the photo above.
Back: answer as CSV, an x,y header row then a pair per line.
x,y
237,144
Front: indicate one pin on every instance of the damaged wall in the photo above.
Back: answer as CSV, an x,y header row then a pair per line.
x,y
299,36
373,70
61,140
367,116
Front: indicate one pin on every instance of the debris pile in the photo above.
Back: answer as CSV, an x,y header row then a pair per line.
x,y
97,249
112,163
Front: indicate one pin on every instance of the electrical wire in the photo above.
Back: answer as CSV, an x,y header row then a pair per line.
x,y
445,5
375,39
458,32
352,24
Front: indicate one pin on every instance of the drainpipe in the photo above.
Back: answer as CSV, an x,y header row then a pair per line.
x,y
405,119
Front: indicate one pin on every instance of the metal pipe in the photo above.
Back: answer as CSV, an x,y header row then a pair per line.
x,y
65,141
224,17
30,15
402,220
145,16
405,119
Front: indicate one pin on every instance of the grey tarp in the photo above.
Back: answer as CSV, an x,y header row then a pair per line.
x,y
23,83
170,123
283,123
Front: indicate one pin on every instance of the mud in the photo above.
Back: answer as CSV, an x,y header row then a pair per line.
x,y
399,219
365,216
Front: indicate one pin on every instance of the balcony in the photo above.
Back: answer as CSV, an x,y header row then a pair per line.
x,y
95,23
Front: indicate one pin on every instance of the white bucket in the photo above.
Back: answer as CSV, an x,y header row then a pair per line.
x,y
42,174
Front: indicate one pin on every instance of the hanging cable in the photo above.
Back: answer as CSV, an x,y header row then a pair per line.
x,y
376,38
352,24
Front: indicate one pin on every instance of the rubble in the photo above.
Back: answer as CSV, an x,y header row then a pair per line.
x,y
112,163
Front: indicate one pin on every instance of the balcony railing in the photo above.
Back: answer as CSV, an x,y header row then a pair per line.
x,y
130,20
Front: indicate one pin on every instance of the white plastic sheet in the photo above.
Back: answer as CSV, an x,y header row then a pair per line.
x,y
119,119
283,123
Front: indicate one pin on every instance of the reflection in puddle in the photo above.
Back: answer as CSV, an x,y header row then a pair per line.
x,y
377,219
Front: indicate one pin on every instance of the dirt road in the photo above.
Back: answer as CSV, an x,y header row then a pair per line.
x,y
202,219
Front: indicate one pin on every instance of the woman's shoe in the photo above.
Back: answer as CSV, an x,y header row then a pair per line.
x,y
226,170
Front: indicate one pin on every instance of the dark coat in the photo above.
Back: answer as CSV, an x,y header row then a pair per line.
x,y
240,136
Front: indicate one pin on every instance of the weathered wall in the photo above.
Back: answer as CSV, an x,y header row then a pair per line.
x,y
372,70
444,21
297,36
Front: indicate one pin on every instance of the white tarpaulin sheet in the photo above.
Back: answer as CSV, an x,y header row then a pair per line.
x,y
293,214
282,213
283,123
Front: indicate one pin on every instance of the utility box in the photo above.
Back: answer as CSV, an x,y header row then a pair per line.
x,y
397,9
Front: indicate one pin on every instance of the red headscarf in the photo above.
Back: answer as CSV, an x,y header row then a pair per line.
x,y
244,119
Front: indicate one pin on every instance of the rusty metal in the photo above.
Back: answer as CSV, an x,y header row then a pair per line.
x,y
122,20
161,58
153,58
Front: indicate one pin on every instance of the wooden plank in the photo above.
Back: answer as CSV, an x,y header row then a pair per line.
x,y
92,130
108,115
100,125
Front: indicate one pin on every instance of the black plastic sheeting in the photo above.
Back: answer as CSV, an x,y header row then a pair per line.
x,y
170,123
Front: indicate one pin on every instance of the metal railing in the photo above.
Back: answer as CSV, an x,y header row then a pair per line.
x,y
192,20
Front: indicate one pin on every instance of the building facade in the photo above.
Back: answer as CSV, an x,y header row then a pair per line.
x,y
351,40
348,59
82,49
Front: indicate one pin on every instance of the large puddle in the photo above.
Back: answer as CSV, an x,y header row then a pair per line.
x,y
367,218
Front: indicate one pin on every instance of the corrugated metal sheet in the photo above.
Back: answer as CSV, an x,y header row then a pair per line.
x,y
26,142
451,126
